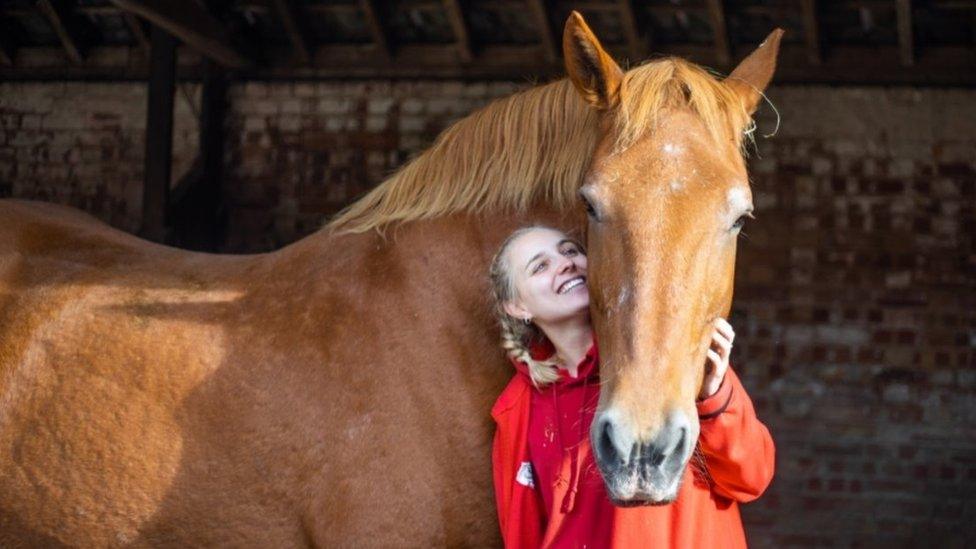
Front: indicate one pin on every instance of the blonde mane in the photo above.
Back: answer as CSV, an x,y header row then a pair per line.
x,y
536,146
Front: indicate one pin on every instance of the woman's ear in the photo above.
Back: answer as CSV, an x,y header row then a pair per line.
x,y
595,74
515,309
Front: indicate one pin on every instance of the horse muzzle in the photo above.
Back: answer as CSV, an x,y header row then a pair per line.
x,y
642,470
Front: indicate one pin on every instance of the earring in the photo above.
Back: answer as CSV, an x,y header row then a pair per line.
x,y
527,321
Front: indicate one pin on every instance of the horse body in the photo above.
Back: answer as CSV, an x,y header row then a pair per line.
x,y
337,391
330,391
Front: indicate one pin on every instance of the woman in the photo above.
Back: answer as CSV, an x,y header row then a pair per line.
x,y
543,418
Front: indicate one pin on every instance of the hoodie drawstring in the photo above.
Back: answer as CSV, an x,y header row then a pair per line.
x,y
569,500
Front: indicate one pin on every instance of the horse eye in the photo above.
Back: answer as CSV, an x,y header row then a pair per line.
x,y
588,206
742,221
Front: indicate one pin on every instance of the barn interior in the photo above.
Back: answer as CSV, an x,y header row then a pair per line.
x,y
240,126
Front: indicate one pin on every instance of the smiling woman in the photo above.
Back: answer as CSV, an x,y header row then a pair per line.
x,y
539,278
547,486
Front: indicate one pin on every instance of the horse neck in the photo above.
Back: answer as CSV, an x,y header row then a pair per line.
x,y
418,281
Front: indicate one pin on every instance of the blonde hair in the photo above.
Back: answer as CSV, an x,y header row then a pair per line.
x,y
536,146
517,334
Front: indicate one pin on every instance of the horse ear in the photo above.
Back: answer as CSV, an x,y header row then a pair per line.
x,y
591,69
753,74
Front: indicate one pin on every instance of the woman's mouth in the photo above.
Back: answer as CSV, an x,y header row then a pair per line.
x,y
570,284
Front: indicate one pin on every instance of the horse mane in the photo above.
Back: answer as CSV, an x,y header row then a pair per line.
x,y
536,145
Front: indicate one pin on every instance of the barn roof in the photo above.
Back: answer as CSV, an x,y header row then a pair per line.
x,y
839,41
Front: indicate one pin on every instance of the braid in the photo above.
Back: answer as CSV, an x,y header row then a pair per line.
x,y
542,372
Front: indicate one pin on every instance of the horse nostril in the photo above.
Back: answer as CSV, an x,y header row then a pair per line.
x,y
657,458
605,446
679,448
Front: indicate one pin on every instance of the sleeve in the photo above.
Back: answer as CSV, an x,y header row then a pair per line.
x,y
519,505
738,448
504,476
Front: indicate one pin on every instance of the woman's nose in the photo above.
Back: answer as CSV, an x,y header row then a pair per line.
x,y
567,266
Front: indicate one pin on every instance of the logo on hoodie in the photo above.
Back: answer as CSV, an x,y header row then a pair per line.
x,y
524,475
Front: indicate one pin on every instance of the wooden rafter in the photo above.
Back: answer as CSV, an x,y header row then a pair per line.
x,y
289,19
189,22
847,65
716,13
636,44
58,19
456,17
546,35
96,10
811,32
906,43
135,27
373,21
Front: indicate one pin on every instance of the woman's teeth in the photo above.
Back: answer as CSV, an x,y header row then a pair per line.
x,y
570,284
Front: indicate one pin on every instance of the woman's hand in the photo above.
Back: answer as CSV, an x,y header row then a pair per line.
x,y
718,358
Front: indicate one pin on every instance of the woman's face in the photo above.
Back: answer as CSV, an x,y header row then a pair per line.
x,y
549,270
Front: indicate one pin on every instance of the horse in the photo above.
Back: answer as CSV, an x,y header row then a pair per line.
x,y
336,392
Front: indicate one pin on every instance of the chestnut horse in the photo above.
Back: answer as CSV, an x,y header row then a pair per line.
x,y
336,392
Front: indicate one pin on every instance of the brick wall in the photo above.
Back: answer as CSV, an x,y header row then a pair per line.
x,y
856,309
856,290
83,144
298,152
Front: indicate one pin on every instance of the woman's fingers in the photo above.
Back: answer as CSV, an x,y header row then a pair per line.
x,y
718,357
721,344
716,361
724,328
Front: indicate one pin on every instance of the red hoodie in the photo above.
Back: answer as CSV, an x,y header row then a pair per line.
x,y
543,434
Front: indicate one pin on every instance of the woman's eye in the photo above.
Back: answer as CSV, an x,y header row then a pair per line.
x,y
571,252
539,267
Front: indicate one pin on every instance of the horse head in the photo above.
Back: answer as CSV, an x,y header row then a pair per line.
x,y
666,195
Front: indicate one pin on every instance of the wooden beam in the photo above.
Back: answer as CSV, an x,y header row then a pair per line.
x,y
159,135
716,13
906,43
135,28
635,42
546,35
189,22
6,52
57,16
98,10
374,22
847,65
289,19
460,28
811,32
196,209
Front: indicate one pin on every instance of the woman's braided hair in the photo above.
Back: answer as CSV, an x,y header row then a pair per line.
x,y
517,335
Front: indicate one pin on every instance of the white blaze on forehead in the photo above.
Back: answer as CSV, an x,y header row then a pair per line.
x,y
671,148
738,199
